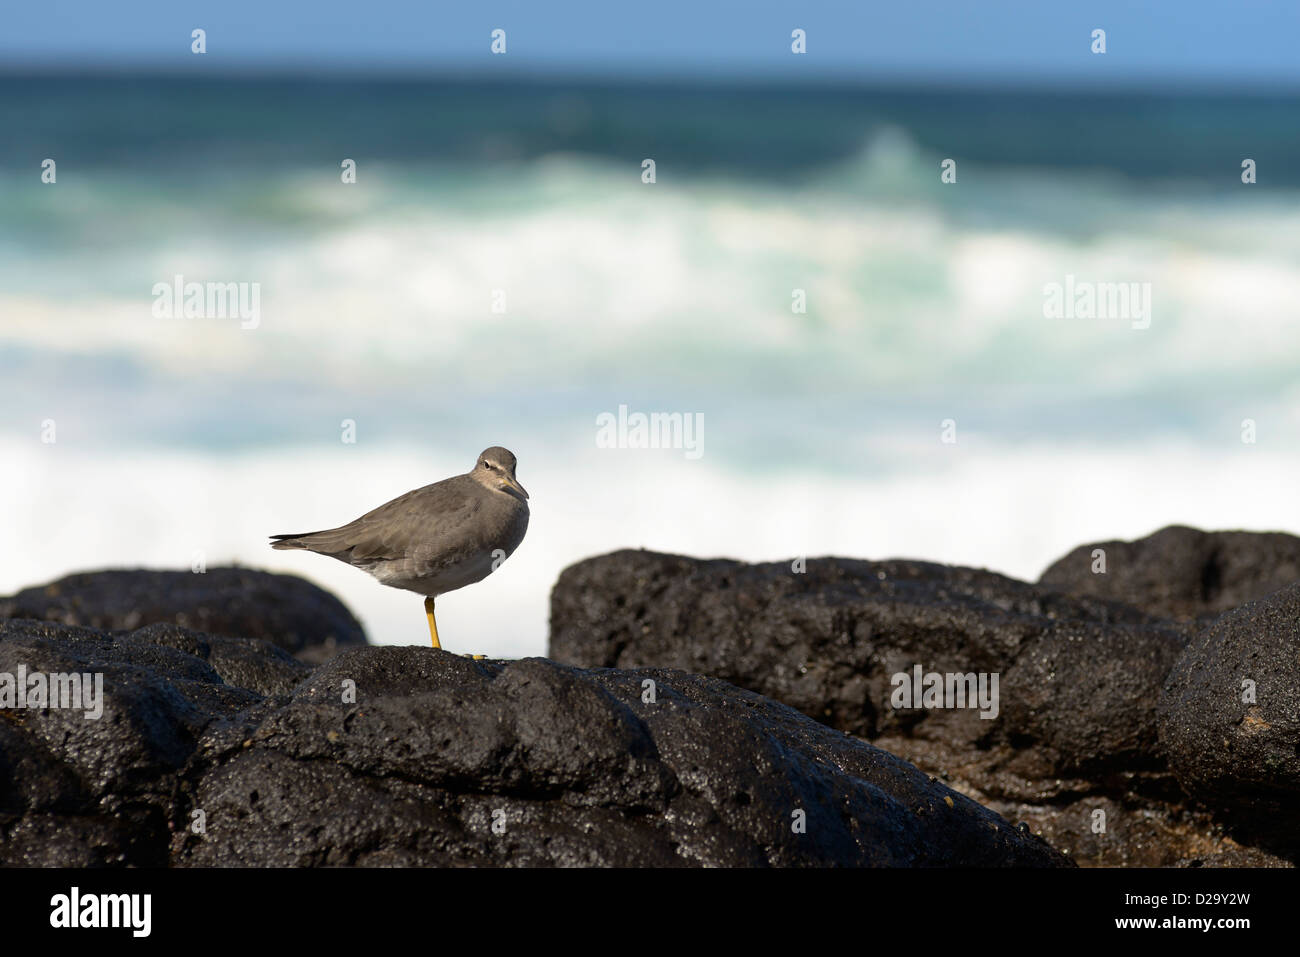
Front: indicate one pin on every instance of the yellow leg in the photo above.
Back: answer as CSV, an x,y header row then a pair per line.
x,y
433,625
433,628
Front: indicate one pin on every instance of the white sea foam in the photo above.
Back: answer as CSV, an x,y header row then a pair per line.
x,y
1012,509
900,292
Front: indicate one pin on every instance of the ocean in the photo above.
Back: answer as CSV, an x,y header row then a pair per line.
x,y
866,347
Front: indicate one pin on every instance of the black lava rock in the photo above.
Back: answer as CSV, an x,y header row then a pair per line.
x,y
86,791
1078,677
413,756
441,760
287,611
1077,730
1181,572
1230,719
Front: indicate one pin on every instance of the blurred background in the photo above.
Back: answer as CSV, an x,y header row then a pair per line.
x,y
487,179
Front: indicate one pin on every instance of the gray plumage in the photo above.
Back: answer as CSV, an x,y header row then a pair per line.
x,y
434,539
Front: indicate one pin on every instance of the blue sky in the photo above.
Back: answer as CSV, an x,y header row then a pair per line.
x,y
1170,42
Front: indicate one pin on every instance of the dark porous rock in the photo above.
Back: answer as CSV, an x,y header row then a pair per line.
x,y
1146,819
1105,832
304,620
442,761
1181,572
1230,719
1084,695
1080,677
225,751
246,663
85,790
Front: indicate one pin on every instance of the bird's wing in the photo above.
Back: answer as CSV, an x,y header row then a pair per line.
x,y
396,529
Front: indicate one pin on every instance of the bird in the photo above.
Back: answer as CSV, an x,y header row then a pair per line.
x,y
434,539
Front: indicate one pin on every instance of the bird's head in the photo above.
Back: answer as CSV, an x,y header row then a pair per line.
x,y
495,469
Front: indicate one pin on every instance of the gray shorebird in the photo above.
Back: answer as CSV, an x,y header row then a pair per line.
x,y
434,539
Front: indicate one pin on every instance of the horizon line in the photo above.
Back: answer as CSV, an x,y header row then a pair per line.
x,y
842,81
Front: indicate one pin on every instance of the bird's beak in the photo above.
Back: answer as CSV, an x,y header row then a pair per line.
x,y
510,482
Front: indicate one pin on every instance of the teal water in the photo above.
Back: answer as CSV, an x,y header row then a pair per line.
x,y
920,294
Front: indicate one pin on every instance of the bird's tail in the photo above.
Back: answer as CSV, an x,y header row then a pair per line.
x,y
294,540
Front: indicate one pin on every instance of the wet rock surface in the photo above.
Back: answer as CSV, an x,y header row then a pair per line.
x,y
287,611
85,791
1229,718
1160,735
413,756
1182,572
1077,677
1080,677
